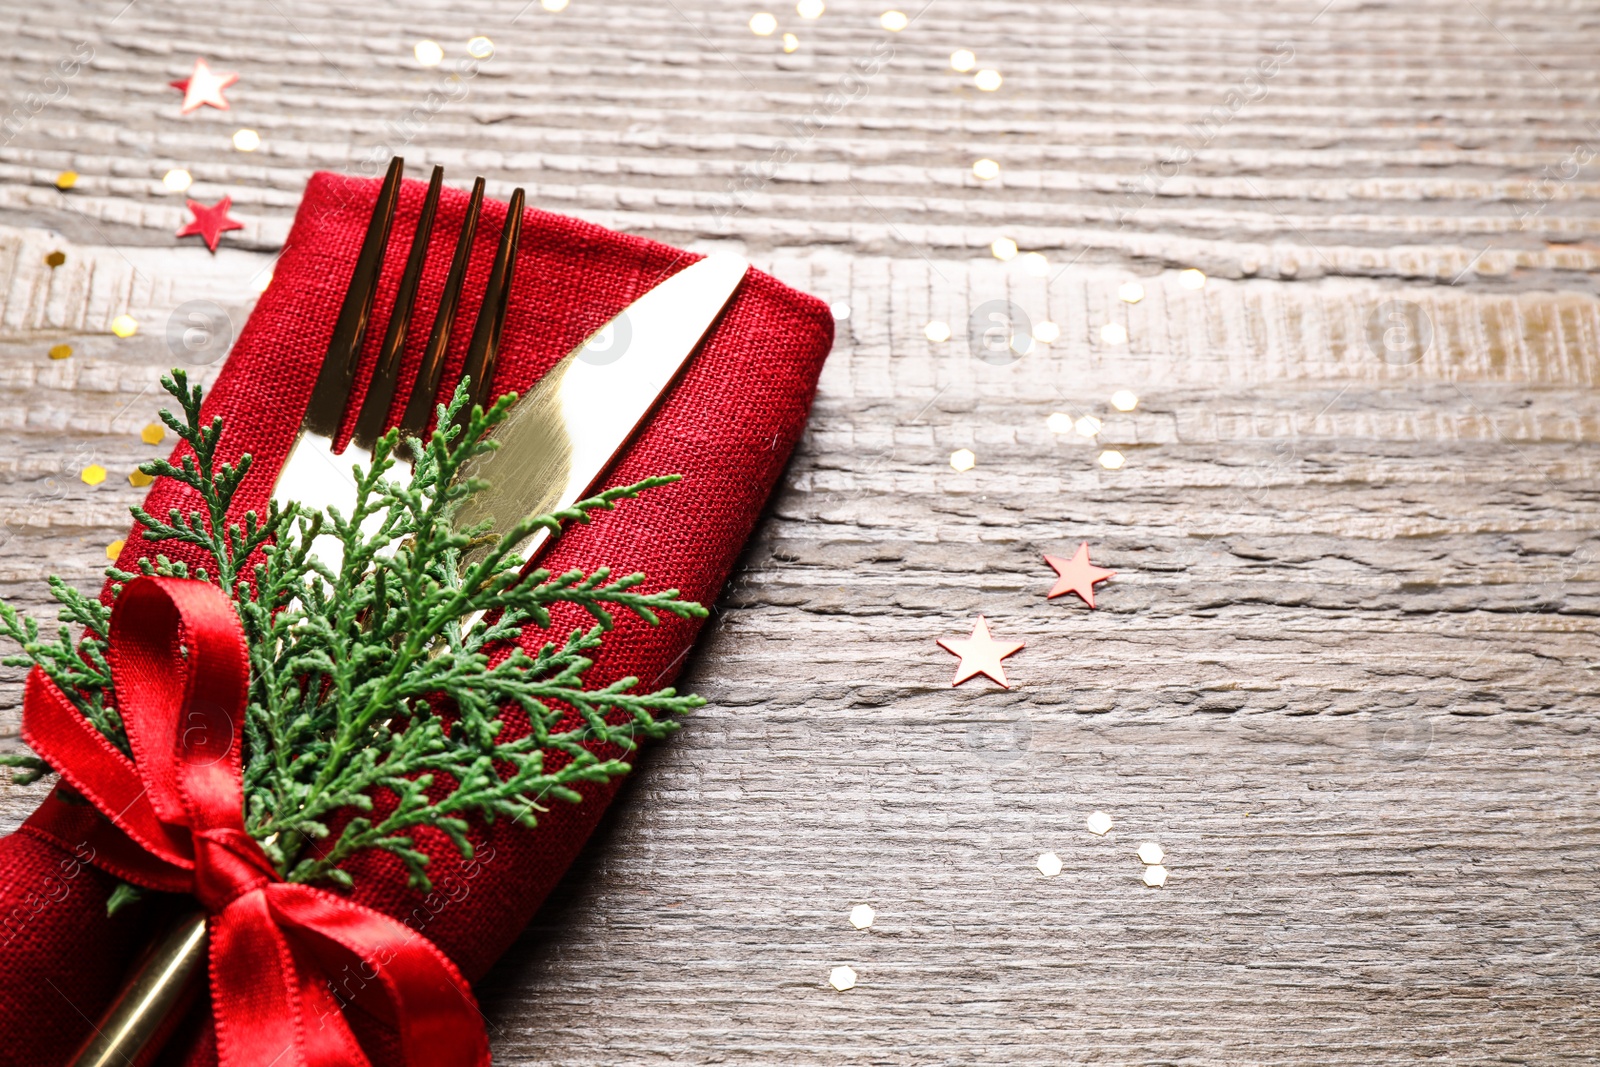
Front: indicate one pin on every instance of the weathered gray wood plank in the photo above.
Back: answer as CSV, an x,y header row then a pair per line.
x,y
1346,675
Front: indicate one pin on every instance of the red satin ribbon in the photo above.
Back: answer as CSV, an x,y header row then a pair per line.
x,y
176,824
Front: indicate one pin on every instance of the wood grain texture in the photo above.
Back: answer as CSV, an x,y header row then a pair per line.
x,y
1348,670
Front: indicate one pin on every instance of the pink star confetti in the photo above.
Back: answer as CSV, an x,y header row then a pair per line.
x,y
980,654
211,222
204,87
1076,575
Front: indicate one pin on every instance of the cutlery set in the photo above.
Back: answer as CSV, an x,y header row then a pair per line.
x,y
556,444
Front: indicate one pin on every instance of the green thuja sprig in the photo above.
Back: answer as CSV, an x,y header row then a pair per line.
x,y
373,710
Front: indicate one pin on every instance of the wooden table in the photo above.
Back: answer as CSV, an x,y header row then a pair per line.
x,y
1346,674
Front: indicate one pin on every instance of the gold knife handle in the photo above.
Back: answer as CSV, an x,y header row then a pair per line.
x,y
152,1001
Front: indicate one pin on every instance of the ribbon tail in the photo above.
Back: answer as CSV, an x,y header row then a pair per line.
x,y
269,1010
422,993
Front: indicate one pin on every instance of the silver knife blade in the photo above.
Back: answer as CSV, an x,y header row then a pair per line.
x,y
560,438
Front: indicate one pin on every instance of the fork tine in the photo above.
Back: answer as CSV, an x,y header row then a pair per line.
x,y
329,395
485,347
386,372
420,407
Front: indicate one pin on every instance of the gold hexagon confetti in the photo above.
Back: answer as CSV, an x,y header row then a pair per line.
x,y
842,978
1087,426
1124,400
861,916
1046,332
962,60
114,549
962,459
1192,279
1003,248
153,433
480,48
894,21
1049,864
1155,877
1114,333
66,180
937,331
553,5
763,23
177,180
246,140
60,351
810,9
124,325
1150,853
986,170
1112,460
1099,823
139,479
93,474
55,259
1130,292
1059,422
987,80
791,43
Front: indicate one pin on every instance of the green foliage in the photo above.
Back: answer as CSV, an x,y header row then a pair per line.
x,y
389,684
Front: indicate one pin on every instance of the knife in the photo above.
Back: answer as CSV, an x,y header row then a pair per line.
x,y
561,437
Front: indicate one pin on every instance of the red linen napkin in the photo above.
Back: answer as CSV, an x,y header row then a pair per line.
x,y
728,425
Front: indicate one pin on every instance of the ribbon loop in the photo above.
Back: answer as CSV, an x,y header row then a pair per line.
x,y
173,819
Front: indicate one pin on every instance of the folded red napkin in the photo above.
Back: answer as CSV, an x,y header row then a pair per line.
x,y
728,425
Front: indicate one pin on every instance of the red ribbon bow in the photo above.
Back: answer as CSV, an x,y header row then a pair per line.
x,y
181,675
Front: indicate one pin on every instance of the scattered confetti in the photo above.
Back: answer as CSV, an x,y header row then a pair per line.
x,y
1150,853
1099,823
791,43
840,309
810,9
553,5
1046,332
842,978
980,654
1049,864
204,87
114,549
1036,264
153,433
60,351
210,222
763,24
428,53
55,259
1192,279
246,140
937,331
1130,292
985,169
480,48
1060,422
1155,877
1076,575
93,474
177,180
861,915
894,21
139,479
987,80
66,180
962,60
1114,333
1111,459
963,459
1124,400
1004,248
124,325
1087,426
